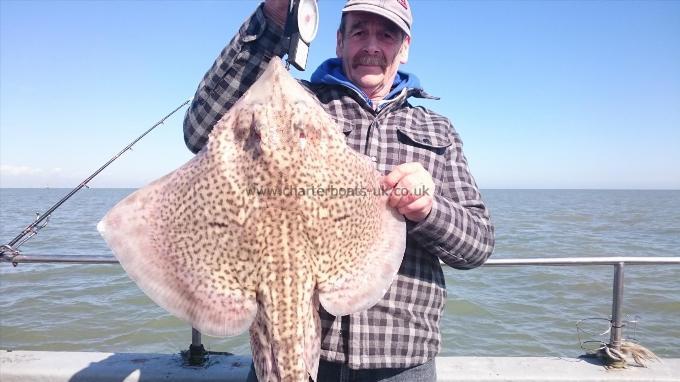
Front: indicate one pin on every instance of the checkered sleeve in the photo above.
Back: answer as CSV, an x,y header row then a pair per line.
x,y
237,67
458,230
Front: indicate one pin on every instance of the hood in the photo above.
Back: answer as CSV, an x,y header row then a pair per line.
x,y
330,72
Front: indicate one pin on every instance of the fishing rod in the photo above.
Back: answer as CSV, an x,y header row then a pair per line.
x,y
11,249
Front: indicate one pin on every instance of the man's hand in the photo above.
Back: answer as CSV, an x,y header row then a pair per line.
x,y
277,11
412,189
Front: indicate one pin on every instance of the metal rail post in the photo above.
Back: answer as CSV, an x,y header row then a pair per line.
x,y
196,355
617,300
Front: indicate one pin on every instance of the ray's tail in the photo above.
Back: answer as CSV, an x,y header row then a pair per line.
x,y
285,336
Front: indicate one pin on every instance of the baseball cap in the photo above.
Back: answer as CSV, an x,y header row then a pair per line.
x,y
397,11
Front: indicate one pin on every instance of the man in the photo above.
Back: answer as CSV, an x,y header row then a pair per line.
x,y
367,96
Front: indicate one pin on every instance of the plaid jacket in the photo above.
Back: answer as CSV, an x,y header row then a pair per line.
x,y
402,329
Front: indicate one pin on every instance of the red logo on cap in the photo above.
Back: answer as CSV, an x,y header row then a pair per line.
x,y
403,3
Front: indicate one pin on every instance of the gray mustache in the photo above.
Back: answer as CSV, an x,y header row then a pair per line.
x,y
370,60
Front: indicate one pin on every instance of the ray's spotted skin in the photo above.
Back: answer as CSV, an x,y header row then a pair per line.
x,y
203,244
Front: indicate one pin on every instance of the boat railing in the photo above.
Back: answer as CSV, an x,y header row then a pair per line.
x,y
196,350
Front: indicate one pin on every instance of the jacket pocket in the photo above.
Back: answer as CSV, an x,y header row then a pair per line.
x,y
425,147
345,125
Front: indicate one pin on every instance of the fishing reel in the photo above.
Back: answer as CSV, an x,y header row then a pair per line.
x,y
302,24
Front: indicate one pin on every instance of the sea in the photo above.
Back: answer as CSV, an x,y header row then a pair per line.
x,y
490,311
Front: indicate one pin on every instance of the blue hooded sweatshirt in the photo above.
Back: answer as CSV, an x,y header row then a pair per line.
x,y
330,72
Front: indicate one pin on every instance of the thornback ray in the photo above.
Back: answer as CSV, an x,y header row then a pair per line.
x,y
274,216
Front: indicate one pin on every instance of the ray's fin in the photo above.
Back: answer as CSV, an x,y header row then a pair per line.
x,y
181,252
360,239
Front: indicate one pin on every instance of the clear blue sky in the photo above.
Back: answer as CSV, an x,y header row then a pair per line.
x,y
544,94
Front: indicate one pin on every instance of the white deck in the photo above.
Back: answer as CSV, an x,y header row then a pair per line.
x,y
40,366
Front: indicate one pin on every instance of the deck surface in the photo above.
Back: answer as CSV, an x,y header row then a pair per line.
x,y
42,366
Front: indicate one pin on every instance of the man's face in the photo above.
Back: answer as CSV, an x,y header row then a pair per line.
x,y
371,50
